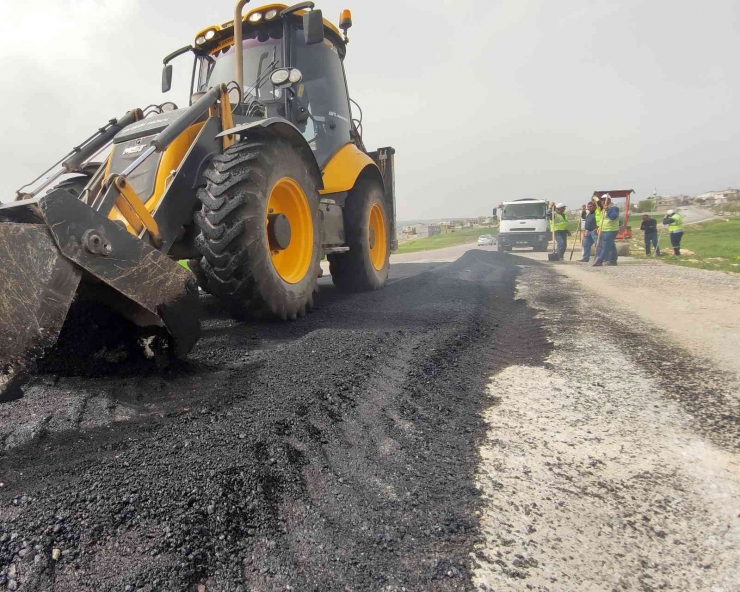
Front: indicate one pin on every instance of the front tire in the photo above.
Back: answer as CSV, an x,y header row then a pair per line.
x,y
365,267
255,263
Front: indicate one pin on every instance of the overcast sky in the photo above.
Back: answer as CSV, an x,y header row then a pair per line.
x,y
483,100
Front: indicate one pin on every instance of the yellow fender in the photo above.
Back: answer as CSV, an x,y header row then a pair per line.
x,y
345,167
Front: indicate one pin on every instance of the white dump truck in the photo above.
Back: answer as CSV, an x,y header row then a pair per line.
x,y
523,223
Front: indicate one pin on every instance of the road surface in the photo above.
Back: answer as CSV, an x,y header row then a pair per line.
x,y
466,427
695,215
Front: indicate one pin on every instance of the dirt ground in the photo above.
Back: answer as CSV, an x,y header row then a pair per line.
x,y
466,428
615,466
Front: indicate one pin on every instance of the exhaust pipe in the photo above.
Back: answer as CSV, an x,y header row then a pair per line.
x,y
238,44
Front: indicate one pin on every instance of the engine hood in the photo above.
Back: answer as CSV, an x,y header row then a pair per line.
x,y
147,127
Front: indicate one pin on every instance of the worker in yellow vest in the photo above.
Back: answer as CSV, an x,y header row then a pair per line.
x,y
609,225
559,223
674,221
598,211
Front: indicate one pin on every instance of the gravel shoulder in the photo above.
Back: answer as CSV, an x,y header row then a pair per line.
x,y
694,306
613,466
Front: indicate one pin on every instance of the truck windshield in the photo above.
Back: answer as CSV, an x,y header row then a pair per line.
x,y
260,59
523,211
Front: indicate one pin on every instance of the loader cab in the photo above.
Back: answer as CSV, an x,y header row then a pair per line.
x,y
318,104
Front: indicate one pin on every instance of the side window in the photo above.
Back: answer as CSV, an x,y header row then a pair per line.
x,y
323,94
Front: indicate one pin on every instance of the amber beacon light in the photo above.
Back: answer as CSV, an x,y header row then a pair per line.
x,y
345,22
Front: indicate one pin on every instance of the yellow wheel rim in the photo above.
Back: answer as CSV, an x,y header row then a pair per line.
x,y
378,237
293,262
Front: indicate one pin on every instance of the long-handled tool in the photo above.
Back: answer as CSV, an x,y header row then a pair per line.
x,y
657,243
579,238
554,255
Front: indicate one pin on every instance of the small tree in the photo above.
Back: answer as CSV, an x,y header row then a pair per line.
x,y
646,205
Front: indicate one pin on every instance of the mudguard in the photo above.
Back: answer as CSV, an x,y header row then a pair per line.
x,y
279,127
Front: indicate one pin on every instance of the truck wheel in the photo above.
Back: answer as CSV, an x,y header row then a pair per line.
x,y
500,247
259,230
365,267
540,248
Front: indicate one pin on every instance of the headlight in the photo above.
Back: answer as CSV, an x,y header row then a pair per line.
x,y
200,40
255,17
295,75
280,77
210,34
271,14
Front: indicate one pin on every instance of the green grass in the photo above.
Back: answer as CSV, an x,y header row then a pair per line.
x,y
715,244
440,241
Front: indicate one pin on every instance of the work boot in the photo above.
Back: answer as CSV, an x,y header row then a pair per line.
x,y
677,252
597,264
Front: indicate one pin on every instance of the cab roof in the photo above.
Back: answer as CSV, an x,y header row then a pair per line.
x,y
227,29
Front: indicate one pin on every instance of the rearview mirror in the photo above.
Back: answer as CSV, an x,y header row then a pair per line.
x,y
167,78
494,213
313,27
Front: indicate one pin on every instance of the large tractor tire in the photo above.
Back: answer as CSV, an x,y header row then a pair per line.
x,y
365,267
259,230
200,276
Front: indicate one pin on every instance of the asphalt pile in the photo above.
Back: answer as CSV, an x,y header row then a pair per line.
x,y
334,453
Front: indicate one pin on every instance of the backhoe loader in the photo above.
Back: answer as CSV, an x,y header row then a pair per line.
x,y
260,177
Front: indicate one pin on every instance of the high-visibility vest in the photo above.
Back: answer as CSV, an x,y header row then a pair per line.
x,y
610,225
561,222
598,214
676,224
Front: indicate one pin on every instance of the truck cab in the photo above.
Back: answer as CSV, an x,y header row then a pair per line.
x,y
523,223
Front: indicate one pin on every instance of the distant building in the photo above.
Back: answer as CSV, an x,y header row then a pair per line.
x,y
425,230
719,197
419,231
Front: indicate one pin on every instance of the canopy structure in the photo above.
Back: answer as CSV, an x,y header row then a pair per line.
x,y
615,193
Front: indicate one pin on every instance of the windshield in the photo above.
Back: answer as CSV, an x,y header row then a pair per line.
x,y
523,211
260,59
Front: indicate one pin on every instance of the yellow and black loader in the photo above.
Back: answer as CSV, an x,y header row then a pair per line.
x,y
259,178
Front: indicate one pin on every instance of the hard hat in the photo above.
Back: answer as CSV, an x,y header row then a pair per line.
x,y
560,205
670,212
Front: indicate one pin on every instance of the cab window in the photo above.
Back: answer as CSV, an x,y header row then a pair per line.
x,y
323,94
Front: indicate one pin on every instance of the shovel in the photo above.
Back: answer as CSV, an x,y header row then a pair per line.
x,y
554,255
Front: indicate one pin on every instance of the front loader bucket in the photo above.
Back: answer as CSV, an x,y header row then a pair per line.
x,y
56,248
37,286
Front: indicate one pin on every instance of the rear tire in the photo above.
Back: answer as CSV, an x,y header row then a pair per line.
x,y
540,249
500,248
247,270
365,267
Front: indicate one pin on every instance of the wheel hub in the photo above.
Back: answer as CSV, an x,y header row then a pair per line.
x,y
278,231
372,238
